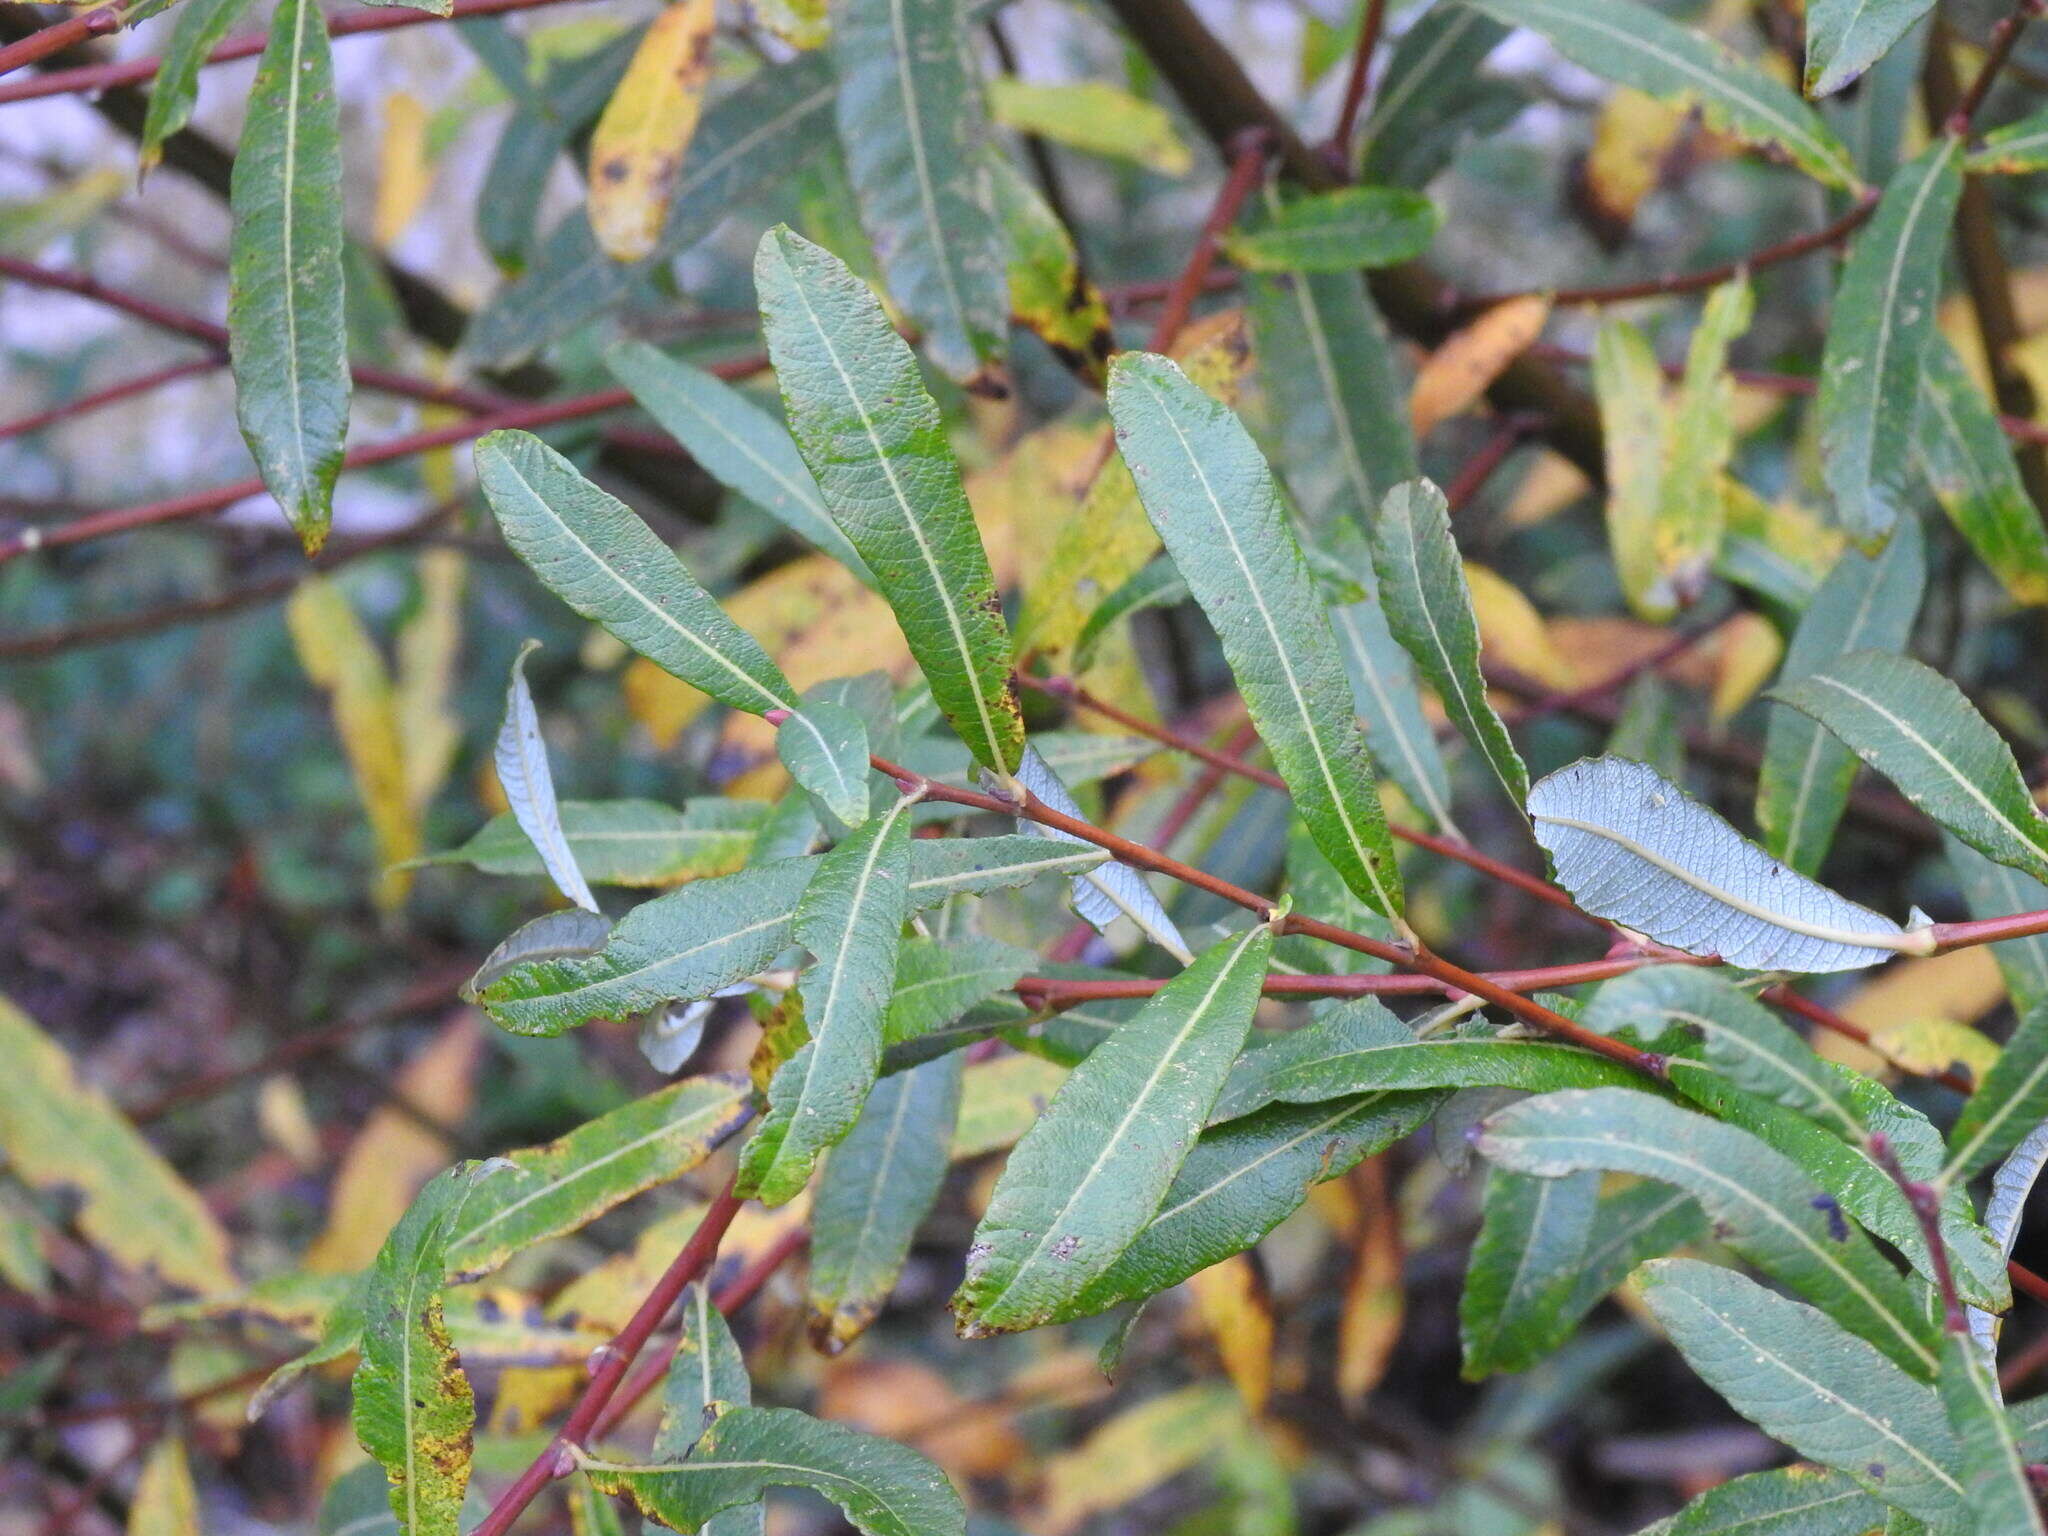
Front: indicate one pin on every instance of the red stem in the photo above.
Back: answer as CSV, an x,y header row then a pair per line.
x,y
1056,993
68,33
113,394
610,1371
1997,50
1338,148
99,77
1248,164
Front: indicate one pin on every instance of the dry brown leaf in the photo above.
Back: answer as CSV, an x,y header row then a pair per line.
x,y
1456,374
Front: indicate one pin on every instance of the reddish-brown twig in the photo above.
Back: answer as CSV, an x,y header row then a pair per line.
x,y
612,1364
1998,49
1338,147
1566,699
100,77
1247,164
1477,470
1792,1001
68,33
113,394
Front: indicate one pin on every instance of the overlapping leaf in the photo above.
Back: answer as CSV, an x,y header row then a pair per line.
x,y
521,758
1968,460
1845,37
174,92
1524,1267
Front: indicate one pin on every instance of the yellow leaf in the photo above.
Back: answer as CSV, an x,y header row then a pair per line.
x,y
1135,1452
1094,117
429,730
1232,1302
394,1154
282,1116
404,173
1001,1099
1746,658
1511,631
1930,1045
1457,373
639,142
1107,539
1963,985
58,1134
1553,483
799,23
664,705
166,1502
1371,1322
340,657
1632,140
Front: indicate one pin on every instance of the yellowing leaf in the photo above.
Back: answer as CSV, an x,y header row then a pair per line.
x,y
1371,1321
340,657
394,1154
1232,1302
1930,1045
1632,140
1553,483
429,730
58,1134
638,146
799,23
286,1123
404,173
1963,985
1746,658
1512,631
166,1502
1135,1452
1457,373
1094,117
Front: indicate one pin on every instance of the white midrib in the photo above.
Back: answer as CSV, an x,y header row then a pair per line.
x,y
1477,713
1308,723
1439,812
1743,1195
913,122
1063,864
924,549
1889,297
1711,83
824,749
1139,1102
683,1127
1901,943
802,495
1394,100
775,700
1927,747
882,1164
730,937
1880,1426
1544,1189
1326,375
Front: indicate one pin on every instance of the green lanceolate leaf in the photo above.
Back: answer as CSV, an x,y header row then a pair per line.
x,y
1631,44
1760,1202
1359,1047
884,1488
1081,1184
1915,727
825,748
1993,890
1524,1266
625,842
1863,1190
1241,1181
287,333
1209,493
1990,1467
521,758
877,447
1790,1501
1632,846
1846,37
753,138
1325,357
747,449
1968,460
1731,1031
413,1407
175,90
592,551
1866,603
1339,231
1877,334
2010,1102
2015,149
707,1376
911,126
1429,610
569,1183
971,866
1643,1221
878,1186
851,920
1805,1381
1389,702
936,983
676,948
1431,96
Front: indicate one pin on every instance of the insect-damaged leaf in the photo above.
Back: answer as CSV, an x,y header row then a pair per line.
x,y
884,1488
637,149
1804,1380
1632,846
287,331
874,440
1212,498
413,1407
1081,1184
1050,294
